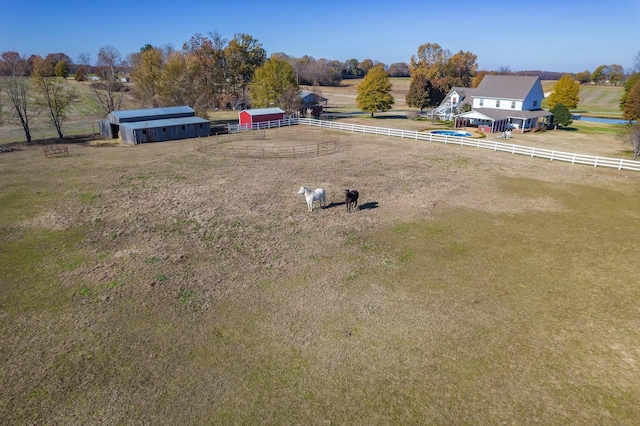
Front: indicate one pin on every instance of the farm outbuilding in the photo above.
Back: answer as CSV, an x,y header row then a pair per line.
x,y
249,117
164,130
154,125
312,104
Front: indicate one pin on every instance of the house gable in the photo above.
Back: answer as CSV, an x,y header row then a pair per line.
x,y
459,96
509,92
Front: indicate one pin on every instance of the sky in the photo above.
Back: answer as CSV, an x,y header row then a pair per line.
x,y
559,35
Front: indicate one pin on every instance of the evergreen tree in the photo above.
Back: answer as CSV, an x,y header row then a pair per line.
x,y
374,93
565,92
80,75
62,69
419,94
632,104
628,85
561,115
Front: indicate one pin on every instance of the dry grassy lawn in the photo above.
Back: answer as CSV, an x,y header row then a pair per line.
x,y
158,285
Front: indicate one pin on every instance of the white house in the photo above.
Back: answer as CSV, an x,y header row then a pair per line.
x,y
453,101
499,103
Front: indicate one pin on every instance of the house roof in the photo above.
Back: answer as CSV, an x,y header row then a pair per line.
x,y
263,111
131,115
170,122
503,114
505,86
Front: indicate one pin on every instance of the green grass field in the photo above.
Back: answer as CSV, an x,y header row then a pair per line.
x,y
595,101
600,101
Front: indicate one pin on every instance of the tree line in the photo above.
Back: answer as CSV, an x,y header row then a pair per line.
x,y
208,73
211,72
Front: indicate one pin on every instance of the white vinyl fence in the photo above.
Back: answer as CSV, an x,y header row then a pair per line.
x,y
591,160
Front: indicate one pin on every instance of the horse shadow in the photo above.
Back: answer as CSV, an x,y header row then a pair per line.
x,y
366,206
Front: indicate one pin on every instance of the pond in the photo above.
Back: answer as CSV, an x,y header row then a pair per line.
x,y
602,120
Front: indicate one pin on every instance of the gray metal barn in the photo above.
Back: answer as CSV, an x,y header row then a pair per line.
x,y
164,130
154,125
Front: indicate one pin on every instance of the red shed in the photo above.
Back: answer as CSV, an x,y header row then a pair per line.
x,y
250,116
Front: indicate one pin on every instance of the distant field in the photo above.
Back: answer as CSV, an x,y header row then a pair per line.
x,y
595,101
600,101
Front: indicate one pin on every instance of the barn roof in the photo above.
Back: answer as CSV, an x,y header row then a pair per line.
x,y
131,115
263,111
169,122
305,93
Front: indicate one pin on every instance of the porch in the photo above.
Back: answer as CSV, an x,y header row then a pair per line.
x,y
497,121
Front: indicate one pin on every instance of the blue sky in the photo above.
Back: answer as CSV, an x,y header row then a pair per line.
x,y
565,36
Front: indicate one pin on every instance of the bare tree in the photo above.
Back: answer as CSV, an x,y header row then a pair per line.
x,y
108,90
53,99
84,59
14,68
1,117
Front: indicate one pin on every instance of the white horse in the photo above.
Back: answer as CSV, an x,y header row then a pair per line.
x,y
311,196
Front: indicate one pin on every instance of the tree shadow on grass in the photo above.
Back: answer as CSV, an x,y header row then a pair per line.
x,y
395,116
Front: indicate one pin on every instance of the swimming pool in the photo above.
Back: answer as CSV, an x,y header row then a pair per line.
x,y
458,133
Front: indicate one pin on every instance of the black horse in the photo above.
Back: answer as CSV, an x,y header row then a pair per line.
x,y
351,199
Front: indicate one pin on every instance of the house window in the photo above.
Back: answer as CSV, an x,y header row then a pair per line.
x,y
164,129
144,132
535,103
513,104
183,127
481,102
